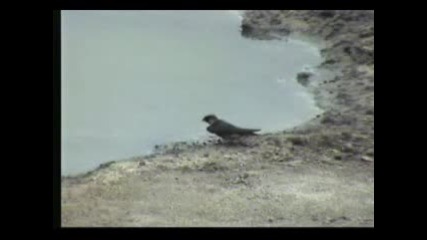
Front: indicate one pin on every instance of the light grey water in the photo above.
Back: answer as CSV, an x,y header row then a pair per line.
x,y
133,79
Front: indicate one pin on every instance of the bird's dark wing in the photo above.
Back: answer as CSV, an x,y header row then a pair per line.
x,y
223,128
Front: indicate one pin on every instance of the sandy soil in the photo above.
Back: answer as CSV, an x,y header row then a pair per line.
x,y
318,174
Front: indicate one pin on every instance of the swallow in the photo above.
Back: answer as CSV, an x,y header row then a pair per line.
x,y
226,130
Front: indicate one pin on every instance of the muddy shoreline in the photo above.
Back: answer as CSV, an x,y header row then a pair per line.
x,y
193,184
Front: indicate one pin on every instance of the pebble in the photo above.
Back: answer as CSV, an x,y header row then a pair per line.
x,y
367,159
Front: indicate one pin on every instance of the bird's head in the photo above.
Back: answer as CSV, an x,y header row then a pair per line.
x,y
211,118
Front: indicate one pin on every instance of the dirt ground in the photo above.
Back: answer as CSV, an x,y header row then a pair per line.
x,y
318,174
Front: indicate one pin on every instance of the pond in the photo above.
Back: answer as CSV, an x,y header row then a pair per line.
x,y
134,79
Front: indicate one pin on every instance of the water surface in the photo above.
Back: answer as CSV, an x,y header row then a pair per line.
x,y
133,79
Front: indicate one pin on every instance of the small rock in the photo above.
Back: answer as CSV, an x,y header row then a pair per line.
x,y
344,218
327,141
335,151
162,167
347,50
206,155
370,88
270,220
327,62
105,165
328,120
327,13
277,142
141,163
367,159
366,34
303,78
348,147
297,141
337,154
275,21
346,135
267,155
246,29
